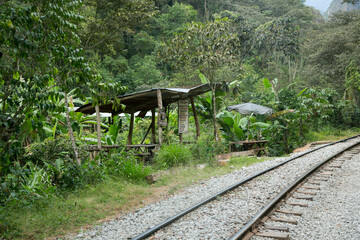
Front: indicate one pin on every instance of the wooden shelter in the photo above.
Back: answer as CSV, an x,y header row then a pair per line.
x,y
145,101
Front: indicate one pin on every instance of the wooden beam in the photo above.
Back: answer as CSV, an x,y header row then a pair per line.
x,y
98,126
160,109
153,129
147,132
131,129
195,118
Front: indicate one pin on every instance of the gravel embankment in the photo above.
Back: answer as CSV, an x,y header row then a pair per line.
x,y
335,211
218,219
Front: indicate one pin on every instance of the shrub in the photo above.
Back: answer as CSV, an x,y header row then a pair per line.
x,y
173,155
205,149
25,184
52,149
120,164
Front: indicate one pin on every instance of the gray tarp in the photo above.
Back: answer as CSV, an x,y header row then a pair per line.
x,y
249,108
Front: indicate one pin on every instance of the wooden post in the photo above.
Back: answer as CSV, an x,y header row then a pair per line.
x,y
131,128
195,118
181,138
160,109
153,130
98,126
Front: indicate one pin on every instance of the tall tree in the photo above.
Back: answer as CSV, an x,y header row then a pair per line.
x,y
207,46
108,22
40,51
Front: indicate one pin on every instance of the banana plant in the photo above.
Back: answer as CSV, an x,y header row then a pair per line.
x,y
237,128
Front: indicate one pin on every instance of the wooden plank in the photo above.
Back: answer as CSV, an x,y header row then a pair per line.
x,y
279,228
313,183
286,220
248,236
320,179
310,187
335,166
307,193
275,235
288,212
298,204
303,198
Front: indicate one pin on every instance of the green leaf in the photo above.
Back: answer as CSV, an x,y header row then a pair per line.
x,y
302,91
266,83
239,132
203,79
244,122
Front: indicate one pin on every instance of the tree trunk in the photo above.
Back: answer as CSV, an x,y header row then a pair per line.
x,y
160,112
70,130
206,13
290,70
214,114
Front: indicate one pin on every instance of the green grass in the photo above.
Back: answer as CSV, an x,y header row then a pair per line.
x,y
331,134
106,200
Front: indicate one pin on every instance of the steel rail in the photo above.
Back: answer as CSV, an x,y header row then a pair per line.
x,y
265,210
172,219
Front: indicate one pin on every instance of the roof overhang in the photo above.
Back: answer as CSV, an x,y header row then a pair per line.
x,y
146,100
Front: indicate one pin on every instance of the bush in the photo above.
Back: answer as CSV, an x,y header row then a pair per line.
x,y
173,155
52,149
205,148
118,164
24,185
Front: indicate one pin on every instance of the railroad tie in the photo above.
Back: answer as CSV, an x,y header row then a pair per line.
x,y
275,235
313,183
285,220
311,187
335,166
303,198
297,204
321,179
279,228
288,212
306,193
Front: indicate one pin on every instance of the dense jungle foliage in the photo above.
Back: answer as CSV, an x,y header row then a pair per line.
x,y
58,55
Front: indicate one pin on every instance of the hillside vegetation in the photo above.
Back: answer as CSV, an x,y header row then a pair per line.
x,y
58,55
339,5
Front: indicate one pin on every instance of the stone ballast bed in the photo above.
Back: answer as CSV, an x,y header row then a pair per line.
x,y
221,218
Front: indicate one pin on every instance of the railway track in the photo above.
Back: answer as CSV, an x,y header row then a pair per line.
x,y
237,198
301,190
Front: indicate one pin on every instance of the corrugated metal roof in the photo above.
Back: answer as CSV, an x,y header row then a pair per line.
x,y
147,100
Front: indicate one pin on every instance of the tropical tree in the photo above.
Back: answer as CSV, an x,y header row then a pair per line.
x,y
109,22
330,49
207,46
31,34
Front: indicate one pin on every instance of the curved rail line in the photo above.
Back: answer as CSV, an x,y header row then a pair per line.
x,y
172,219
250,224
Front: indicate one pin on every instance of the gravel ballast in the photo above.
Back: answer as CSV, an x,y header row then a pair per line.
x,y
335,211
220,218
